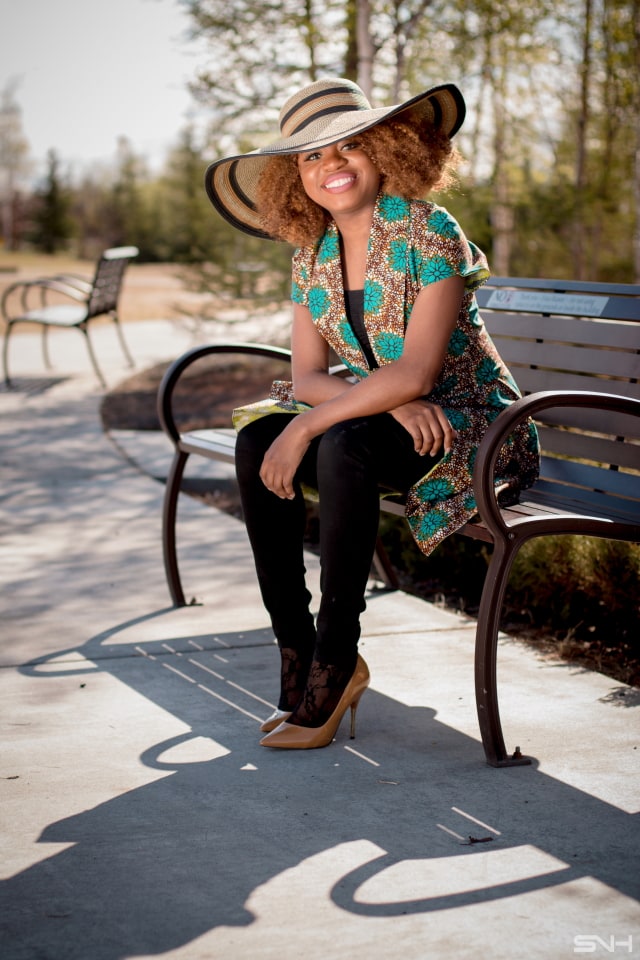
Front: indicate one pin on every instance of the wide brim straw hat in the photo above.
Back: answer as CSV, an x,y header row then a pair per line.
x,y
320,114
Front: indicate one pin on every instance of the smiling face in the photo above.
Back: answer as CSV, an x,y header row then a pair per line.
x,y
341,178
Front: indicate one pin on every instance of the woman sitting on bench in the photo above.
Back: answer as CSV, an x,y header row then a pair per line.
x,y
386,279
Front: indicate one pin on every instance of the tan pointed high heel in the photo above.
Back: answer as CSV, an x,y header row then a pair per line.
x,y
288,736
276,718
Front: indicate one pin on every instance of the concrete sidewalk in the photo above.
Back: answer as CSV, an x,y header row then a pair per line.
x,y
140,816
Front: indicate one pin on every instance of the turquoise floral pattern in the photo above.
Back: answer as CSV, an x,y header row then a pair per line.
x,y
373,296
398,255
458,419
348,335
389,346
444,387
432,523
443,223
393,208
438,268
457,343
487,370
318,302
437,489
329,248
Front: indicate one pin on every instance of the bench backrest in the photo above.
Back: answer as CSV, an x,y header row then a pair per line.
x,y
567,335
107,281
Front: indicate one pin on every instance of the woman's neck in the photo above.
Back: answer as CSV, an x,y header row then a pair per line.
x,y
354,242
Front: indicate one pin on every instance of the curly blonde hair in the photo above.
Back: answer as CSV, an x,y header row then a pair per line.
x,y
412,159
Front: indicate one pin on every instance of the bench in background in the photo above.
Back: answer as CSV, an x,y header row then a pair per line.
x,y
574,349
92,297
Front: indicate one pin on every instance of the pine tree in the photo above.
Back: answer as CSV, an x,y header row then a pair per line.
x,y
52,226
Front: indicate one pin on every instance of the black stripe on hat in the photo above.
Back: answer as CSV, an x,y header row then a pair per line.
x,y
323,113
222,207
437,112
237,189
317,95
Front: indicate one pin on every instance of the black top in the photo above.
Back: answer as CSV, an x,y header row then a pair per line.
x,y
354,305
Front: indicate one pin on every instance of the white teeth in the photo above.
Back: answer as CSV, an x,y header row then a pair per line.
x,y
338,183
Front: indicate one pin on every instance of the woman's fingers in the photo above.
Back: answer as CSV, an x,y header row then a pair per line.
x,y
432,431
277,480
428,426
281,461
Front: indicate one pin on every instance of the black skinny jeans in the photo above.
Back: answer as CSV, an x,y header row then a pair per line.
x,y
347,466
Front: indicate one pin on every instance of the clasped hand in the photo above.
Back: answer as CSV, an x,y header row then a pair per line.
x,y
427,424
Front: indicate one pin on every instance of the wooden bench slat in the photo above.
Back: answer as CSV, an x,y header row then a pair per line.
x,y
555,498
532,380
582,446
573,473
573,286
596,421
213,444
564,357
609,333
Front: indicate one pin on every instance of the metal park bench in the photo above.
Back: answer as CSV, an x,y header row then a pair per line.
x,y
93,298
574,349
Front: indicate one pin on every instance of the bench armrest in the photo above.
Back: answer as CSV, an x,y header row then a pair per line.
x,y
76,280
173,373
507,421
61,284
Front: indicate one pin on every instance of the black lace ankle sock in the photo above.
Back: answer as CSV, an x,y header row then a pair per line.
x,y
294,669
325,685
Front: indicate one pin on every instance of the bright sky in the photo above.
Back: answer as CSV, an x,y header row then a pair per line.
x,y
90,71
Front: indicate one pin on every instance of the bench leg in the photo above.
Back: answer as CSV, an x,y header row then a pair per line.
x,y
123,342
5,354
92,356
486,657
384,568
45,348
169,512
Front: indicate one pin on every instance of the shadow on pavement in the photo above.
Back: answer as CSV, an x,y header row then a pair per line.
x,y
415,823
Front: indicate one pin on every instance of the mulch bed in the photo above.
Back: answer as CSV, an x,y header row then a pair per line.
x,y
205,397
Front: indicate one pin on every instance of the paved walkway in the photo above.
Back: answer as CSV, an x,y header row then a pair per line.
x,y
142,819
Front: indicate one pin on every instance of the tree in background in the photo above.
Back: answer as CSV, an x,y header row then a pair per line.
x,y
552,95
13,165
89,211
128,219
52,225
602,133
184,211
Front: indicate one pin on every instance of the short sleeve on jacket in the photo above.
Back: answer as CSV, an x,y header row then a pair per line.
x,y
300,272
440,249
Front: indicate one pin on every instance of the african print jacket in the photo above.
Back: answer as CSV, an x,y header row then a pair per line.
x,y
412,244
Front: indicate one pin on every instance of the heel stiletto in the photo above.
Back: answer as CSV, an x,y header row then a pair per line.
x,y
276,718
289,736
